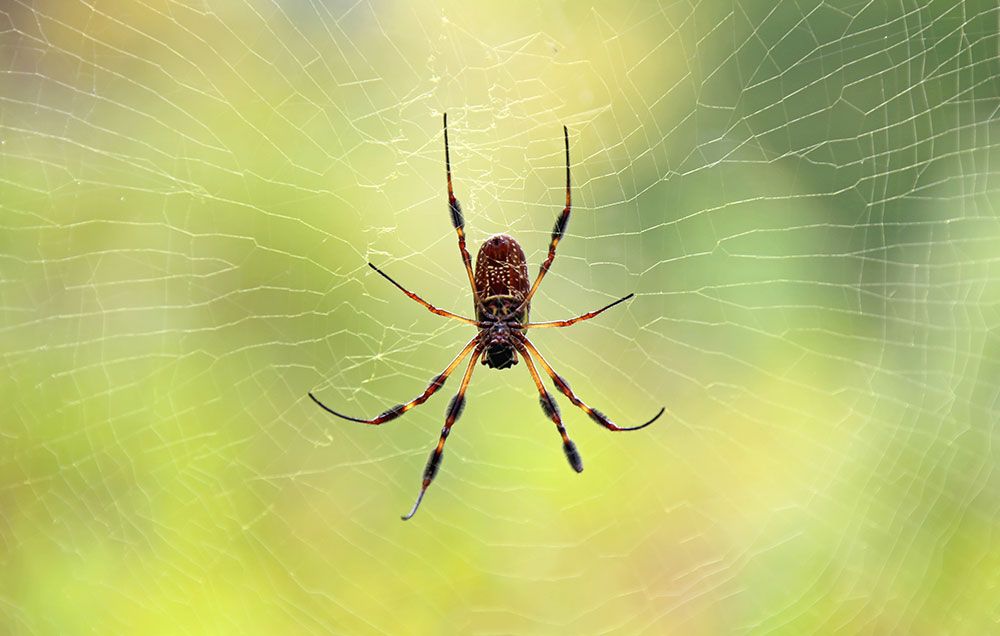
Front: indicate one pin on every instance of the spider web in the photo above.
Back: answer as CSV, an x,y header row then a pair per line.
x,y
803,196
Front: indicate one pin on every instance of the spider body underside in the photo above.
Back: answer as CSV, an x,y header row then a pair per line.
x,y
502,284
502,298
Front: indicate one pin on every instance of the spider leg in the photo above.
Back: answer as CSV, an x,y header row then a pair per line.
x,y
455,408
563,386
573,321
399,409
557,231
430,307
458,220
551,410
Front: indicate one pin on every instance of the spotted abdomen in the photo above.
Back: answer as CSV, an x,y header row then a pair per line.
x,y
501,277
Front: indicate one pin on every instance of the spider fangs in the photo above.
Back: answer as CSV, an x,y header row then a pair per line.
x,y
502,298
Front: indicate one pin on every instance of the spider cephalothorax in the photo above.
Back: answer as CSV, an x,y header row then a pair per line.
x,y
502,299
498,345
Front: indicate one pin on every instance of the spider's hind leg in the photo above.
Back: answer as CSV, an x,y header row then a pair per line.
x,y
457,220
557,230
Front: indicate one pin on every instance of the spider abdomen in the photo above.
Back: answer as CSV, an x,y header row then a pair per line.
x,y
501,279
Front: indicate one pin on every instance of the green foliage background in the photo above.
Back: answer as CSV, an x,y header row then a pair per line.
x,y
803,195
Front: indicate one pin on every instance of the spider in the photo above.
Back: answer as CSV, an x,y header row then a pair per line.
x,y
502,299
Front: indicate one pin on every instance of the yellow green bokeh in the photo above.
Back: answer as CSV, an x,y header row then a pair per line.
x,y
803,196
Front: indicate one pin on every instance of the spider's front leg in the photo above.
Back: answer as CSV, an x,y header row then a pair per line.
x,y
399,409
455,408
563,387
551,410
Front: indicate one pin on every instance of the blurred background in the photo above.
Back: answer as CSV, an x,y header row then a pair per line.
x,y
802,195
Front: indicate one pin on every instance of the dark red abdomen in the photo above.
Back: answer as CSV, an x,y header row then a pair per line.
x,y
501,278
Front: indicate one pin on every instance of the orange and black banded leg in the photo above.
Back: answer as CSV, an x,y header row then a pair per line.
x,y
563,386
557,231
455,408
552,411
457,219
573,321
399,409
430,307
